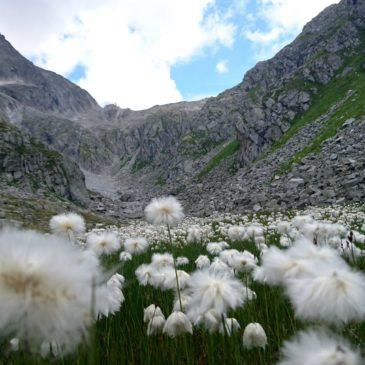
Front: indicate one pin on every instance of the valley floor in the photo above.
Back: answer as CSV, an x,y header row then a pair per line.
x,y
122,337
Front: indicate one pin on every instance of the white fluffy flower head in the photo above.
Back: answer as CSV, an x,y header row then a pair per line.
x,y
152,311
69,223
195,234
106,242
211,290
254,336
318,348
136,245
155,325
161,260
45,288
202,261
164,211
336,296
125,256
176,324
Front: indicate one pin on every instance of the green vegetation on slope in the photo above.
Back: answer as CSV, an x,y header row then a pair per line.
x,y
227,151
197,144
328,95
139,164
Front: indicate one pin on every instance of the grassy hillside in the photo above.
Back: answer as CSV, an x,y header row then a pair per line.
x,y
327,96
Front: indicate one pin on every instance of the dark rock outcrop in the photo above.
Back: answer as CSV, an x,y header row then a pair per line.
x,y
31,166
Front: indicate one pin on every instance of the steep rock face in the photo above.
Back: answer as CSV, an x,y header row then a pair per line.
x,y
333,176
177,141
29,165
38,88
275,92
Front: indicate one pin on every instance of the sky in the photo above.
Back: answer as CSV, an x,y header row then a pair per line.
x,y
140,53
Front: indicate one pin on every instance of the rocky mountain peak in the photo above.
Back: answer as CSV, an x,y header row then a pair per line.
x,y
37,88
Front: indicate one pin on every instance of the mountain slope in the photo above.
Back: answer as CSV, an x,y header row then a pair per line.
x,y
30,166
229,149
38,88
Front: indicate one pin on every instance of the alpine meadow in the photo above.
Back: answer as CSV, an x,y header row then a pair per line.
x,y
225,229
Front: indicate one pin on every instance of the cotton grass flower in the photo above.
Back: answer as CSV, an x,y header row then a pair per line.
x,y
14,344
218,291
167,211
103,243
214,248
69,225
152,311
300,220
284,241
228,326
184,302
144,274
236,233
125,256
202,262
254,336
254,231
160,276
110,297
50,348
162,260
283,227
218,266
176,324
170,281
316,347
243,261
165,278
118,280
164,211
227,255
304,249
195,234
337,296
180,261
45,289
303,259
155,325
136,245
211,320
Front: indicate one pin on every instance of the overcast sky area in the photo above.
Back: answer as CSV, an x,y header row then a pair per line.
x,y
139,53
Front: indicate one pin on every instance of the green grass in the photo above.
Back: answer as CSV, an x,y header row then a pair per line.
x,y
227,151
124,161
140,164
197,144
253,93
160,181
122,338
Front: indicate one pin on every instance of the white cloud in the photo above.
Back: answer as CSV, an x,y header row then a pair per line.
x,y
264,37
291,15
126,46
196,97
284,19
222,67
